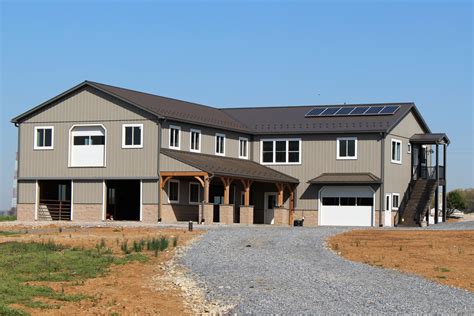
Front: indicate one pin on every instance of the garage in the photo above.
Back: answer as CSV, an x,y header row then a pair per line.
x,y
346,206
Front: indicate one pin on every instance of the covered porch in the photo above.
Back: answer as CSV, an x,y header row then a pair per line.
x,y
223,190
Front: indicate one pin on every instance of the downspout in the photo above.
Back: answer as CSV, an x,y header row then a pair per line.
x,y
159,123
382,177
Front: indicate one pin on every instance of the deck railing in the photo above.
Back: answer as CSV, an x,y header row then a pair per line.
x,y
55,210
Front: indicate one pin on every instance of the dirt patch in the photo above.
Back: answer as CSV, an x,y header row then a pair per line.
x,y
137,288
443,256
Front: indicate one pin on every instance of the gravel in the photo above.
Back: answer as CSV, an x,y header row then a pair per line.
x,y
452,226
271,270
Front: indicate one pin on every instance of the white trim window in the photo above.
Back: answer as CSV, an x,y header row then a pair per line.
x,y
395,201
132,136
280,151
220,144
346,148
195,140
408,148
175,133
173,191
44,137
243,147
194,193
396,156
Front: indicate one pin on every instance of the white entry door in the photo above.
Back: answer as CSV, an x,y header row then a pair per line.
x,y
388,210
269,207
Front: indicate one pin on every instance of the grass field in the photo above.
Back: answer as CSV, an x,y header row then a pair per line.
x,y
7,218
24,265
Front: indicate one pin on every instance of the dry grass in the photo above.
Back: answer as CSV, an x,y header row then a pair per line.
x,y
446,257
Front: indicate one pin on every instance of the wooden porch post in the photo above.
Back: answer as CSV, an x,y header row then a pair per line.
x,y
292,205
206,189
246,184
162,186
281,190
226,181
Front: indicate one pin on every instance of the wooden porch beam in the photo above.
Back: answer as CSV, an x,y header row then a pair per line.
x,y
183,173
226,181
246,184
200,180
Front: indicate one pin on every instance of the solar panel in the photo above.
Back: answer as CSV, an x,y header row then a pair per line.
x,y
345,111
374,110
329,111
315,112
389,109
359,110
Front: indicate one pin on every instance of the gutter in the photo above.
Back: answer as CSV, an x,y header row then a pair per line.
x,y
159,123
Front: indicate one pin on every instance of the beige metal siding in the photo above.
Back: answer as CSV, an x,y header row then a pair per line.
x,y
88,192
208,139
319,156
26,192
86,107
171,164
150,191
397,176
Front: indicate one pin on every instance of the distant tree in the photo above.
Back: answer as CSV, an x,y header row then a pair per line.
x,y
456,200
468,195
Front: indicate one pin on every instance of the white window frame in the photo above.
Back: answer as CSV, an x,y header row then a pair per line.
x,y
223,143
397,141
409,148
124,126
287,140
179,137
35,145
71,142
246,147
395,208
338,156
174,181
191,131
199,193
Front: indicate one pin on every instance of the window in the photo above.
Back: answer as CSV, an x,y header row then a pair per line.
x,y
396,151
175,132
348,201
281,151
365,201
173,191
347,148
44,137
195,140
243,147
132,136
409,148
220,144
330,201
194,192
395,201
87,146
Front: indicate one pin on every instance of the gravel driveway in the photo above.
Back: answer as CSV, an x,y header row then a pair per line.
x,y
269,270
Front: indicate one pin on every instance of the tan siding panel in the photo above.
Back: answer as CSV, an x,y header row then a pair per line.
x,y
319,156
208,139
88,192
150,192
170,164
26,192
88,108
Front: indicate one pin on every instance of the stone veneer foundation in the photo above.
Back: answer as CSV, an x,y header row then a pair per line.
x,y
281,216
246,215
87,213
149,213
226,213
310,217
25,212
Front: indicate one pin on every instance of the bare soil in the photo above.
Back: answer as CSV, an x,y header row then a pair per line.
x,y
446,257
137,288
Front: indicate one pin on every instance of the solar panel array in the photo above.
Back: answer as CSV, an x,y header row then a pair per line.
x,y
353,110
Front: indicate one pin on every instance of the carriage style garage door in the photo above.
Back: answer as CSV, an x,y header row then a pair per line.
x,y
346,206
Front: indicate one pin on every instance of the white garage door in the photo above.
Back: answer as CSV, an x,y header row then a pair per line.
x,y
346,206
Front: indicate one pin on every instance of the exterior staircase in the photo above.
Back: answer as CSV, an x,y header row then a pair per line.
x,y
416,203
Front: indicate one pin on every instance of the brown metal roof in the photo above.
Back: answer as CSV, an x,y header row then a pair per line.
x,y
290,120
432,138
346,178
262,120
230,167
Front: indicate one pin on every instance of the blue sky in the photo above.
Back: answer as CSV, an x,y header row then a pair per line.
x,y
246,54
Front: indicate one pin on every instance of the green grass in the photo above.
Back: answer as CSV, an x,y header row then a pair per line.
x,y
7,218
21,263
9,233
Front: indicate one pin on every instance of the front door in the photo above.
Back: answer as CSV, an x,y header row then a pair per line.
x,y
388,211
269,207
